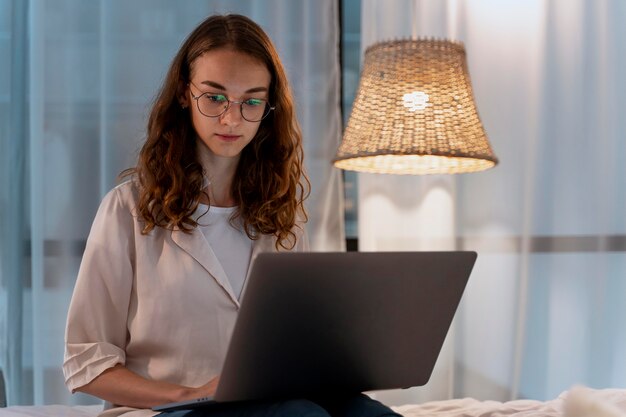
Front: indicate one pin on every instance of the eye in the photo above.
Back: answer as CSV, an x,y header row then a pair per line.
x,y
254,102
215,98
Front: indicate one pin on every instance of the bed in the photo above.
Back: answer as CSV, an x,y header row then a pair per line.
x,y
577,402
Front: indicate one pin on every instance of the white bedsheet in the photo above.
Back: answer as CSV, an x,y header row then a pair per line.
x,y
578,402
50,411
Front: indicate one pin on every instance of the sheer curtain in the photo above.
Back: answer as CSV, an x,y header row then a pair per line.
x,y
543,310
78,87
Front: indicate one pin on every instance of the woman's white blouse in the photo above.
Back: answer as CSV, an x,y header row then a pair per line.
x,y
160,304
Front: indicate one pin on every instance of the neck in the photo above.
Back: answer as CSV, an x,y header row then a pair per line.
x,y
220,172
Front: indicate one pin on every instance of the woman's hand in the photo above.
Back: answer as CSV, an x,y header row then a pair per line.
x,y
208,389
124,387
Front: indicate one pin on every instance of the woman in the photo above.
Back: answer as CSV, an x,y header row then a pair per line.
x,y
218,180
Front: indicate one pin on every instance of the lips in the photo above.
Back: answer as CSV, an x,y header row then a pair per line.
x,y
228,138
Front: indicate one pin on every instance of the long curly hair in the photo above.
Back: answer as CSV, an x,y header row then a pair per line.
x,y
269,185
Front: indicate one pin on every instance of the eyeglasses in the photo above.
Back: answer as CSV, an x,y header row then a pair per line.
x,y
214,105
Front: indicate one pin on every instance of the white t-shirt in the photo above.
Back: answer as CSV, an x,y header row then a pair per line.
x,y
231,245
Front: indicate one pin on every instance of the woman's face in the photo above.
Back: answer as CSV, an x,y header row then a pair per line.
x,y
232,75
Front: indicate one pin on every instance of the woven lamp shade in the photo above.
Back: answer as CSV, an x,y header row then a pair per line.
x,y
414,113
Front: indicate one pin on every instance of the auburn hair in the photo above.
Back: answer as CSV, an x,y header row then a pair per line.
x,y
270,185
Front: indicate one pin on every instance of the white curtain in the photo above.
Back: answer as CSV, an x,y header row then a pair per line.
x,y
91,70
545,304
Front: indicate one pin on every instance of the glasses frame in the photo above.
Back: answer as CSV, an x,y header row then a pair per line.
x,y
229,102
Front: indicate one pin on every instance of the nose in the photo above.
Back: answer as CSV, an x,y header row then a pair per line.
x,y
232,115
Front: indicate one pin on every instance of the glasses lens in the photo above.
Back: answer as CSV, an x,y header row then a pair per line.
x,y
254,109
212,105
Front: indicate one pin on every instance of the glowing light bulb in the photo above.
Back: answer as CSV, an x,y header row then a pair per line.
x,y
417,100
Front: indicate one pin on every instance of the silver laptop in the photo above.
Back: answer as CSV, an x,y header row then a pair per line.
x,y
314,324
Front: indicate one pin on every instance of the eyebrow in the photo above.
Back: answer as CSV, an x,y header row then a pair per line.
x,y
221,87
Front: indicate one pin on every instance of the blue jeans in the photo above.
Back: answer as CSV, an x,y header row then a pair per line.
x,y
354,406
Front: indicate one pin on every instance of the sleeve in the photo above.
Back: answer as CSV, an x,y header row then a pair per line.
x,y
96,329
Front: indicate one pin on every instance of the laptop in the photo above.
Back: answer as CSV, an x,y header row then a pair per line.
x,y
314,324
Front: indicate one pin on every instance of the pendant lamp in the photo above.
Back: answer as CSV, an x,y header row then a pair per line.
x,y
414,113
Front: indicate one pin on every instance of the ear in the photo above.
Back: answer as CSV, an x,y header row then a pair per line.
x,y
183,95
